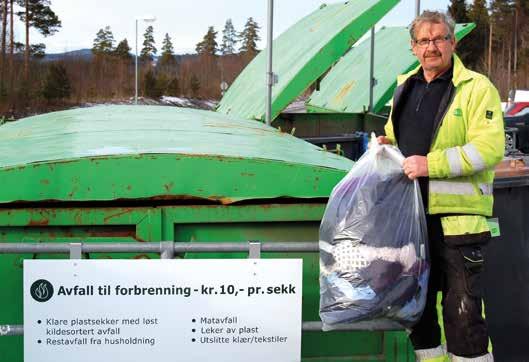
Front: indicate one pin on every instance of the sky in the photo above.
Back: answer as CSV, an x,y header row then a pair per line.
x,y
186,21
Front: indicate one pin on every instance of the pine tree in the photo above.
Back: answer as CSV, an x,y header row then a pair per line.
x,y
57,85
104,42
167,58
194,84
35,50
521,51
249,37
502,19
149,82
154,86
39,15
173,88
458,11
208,45
229,39
122,51
161,85
5,11
149,49
502,16
472,49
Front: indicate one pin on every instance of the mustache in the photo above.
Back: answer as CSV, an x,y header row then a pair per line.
x,y
432,54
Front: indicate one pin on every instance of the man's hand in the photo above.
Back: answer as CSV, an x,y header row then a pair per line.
x,y
415,166
383,140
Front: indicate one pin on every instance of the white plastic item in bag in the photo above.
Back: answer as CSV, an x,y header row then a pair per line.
x,y
373,244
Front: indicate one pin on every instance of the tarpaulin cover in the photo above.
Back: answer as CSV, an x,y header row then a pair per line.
x,y
373,256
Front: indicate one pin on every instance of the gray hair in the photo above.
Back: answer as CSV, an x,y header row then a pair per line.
x,y
435,17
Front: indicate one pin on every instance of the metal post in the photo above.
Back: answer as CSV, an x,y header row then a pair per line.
x,y
269,72
136,68
417,7
166,250
76,250
254,249
371,71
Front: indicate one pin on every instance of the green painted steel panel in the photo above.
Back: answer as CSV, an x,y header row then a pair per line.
x,y
145,152
301,55
267,222
346,87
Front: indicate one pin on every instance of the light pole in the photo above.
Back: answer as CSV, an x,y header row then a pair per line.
x,y
147,19
270,78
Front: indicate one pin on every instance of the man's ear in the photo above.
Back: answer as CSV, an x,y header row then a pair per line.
x,y
412,46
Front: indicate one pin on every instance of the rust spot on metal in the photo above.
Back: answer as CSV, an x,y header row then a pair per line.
x,y
142,256
45,182
42,222
226,201
344,91
126,211
112,233
79,217
129,187
247,174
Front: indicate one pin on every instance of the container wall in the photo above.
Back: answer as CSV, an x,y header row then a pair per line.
x,y
507,274
270,222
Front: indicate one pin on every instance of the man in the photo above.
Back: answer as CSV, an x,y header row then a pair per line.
x,y
447,121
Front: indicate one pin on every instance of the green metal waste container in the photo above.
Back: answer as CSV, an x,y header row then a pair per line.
x,y
148,174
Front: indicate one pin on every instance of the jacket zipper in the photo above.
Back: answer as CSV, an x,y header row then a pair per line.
x,y
439,121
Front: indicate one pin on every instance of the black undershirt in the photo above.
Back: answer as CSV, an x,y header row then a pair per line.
x,y
420,106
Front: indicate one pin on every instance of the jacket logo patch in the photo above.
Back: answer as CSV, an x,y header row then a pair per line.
x,y
489,114
458,112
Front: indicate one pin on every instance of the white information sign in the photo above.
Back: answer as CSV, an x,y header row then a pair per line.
x,y
162,310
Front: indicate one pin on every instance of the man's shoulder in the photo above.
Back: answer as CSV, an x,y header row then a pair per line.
x,y
479,80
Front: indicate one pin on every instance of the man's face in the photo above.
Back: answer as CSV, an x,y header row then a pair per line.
x,y
434,55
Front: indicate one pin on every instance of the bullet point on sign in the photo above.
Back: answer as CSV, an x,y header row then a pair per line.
x,y
193,330
193,320
39,341
39,321
193,340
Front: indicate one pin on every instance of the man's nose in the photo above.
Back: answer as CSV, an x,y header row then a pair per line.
x,y
431,45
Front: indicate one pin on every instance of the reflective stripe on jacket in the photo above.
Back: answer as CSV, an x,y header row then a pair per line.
x,y
468,142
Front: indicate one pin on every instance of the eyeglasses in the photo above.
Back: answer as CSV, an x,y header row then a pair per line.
x,y
424,43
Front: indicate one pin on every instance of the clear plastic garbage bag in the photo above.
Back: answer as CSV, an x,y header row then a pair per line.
x,y
373,244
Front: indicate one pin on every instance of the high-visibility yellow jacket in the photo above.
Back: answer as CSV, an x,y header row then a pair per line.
x,y
468,142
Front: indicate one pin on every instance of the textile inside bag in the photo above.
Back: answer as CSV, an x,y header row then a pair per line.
x,y
373,244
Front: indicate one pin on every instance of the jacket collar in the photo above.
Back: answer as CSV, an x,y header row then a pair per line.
x,y
461,73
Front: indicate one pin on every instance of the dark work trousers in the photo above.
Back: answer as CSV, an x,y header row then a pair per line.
x,y
456,272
